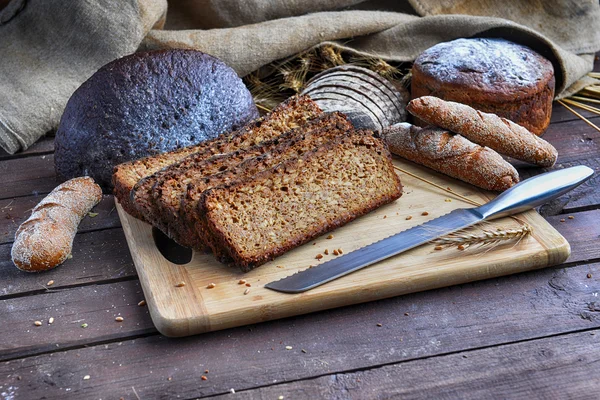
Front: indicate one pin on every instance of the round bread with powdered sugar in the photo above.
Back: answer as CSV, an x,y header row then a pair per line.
x,y
491,75
148,103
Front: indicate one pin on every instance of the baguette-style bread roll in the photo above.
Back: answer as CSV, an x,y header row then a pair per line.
x,y
485,129
451,154
45,239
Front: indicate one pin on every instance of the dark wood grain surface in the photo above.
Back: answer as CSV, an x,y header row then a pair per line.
x,y
530,335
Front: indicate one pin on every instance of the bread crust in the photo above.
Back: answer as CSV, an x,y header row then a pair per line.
x,y
451,154
128,174
305,225
301,140
158,196
485,129
45,239
147,103
491,75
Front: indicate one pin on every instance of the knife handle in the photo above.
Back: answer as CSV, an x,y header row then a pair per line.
x,y
535,191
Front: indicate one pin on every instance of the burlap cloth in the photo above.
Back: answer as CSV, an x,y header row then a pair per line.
x,y
49,47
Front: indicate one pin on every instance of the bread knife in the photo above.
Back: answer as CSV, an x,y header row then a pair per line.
x,y
521,197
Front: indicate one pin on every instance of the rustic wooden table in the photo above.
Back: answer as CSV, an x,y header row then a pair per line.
x,y
531,335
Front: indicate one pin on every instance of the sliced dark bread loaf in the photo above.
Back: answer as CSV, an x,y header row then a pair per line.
x,y
171,186
290,114
173,178
259,218
192,228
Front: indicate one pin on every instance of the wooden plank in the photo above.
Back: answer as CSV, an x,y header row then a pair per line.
x,y
194,308
561,114
574,140
582,232
14,211
96,306
551,368
101,256
470,316
16,282
45,145
27,176
97,257
577,144
582,198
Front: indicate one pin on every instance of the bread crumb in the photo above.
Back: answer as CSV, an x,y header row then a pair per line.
x,y
87,377
589,276
340,251
571,217
288,347
562,220
180,284
409,217
326,252
247,291
37,323
248,284
50,320
461,247
119,319
204,378
142,303
50,283
211,286
336,253
438,248
424,213
448,200
330,237
319,256
241,281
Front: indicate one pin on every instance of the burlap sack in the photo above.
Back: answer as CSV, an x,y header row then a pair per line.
x,y
49,47
249,35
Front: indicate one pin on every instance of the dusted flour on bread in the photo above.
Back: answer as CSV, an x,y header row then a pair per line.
x,y
491,75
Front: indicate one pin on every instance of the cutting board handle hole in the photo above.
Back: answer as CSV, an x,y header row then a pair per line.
x,y
170,250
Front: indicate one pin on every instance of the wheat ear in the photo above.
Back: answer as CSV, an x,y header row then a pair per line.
x,y
484,237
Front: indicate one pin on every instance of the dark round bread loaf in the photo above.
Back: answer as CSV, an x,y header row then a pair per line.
x,y
144,104
490,75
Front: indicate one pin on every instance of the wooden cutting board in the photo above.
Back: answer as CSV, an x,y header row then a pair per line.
x,y
195,308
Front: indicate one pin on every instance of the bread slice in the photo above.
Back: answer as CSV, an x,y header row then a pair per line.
x,y
290,114
170,189
259,218
192,228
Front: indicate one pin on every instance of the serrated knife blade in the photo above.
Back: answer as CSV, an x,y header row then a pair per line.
x,y
521,197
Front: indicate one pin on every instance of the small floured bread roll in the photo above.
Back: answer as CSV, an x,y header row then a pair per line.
x,y
45,239
451,154
485,129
